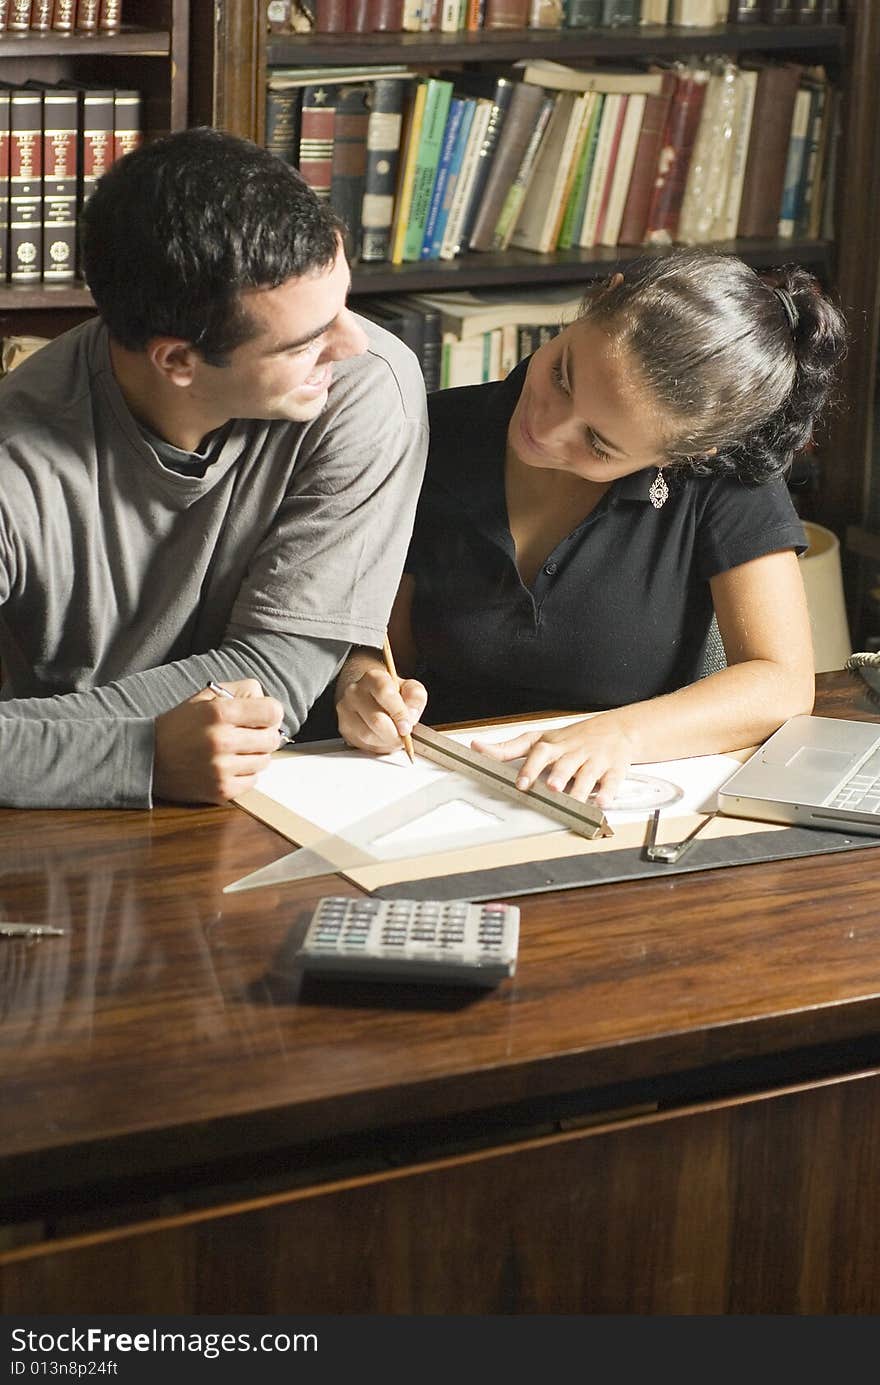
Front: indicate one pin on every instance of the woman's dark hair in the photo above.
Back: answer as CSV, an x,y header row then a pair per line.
x,y
731,364
175,230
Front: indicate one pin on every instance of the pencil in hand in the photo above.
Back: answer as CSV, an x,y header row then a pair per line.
x,y
389,664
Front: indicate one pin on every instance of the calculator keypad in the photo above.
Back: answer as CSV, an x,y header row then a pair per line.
x,y
438,940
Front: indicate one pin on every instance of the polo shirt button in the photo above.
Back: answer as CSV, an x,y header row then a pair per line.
x,y
550,568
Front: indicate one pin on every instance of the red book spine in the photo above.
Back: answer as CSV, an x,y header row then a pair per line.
x,y
19,20
4,15
316,138
25,186
86,20
675,157
357,16
506,14
41,16
63,16
110,16
331,16
60,119
641,183
386,16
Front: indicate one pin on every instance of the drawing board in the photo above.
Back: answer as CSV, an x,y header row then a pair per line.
x,y
380,820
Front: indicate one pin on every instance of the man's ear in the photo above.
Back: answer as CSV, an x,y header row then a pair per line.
x,y
174,359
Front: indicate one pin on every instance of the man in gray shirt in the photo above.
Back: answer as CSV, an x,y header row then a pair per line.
x,y
213,480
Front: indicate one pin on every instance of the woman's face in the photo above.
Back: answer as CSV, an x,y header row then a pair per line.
x,y
584,410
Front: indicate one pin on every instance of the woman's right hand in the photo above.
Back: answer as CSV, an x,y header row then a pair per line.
x,y
375,714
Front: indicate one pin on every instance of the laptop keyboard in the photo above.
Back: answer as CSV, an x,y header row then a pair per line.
x,y
862,789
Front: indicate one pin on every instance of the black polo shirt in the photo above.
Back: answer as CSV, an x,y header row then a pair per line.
x,y
619,610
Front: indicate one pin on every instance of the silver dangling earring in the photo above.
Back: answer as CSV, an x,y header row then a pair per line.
x,y
659,491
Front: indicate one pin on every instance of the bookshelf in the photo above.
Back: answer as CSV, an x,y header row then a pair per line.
x,y
233,54
151,53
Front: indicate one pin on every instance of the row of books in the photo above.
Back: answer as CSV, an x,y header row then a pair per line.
x,y
60,16
454,16
55,142
553,157
467,338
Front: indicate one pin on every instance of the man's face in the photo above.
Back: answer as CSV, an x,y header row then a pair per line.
x,y
285,370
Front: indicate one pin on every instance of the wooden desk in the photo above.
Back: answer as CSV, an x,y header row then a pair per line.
x,y
673,1107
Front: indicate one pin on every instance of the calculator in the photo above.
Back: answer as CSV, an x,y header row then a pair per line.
x,y
449,941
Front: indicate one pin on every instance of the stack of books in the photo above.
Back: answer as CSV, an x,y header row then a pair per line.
x,y
468,338
547,157
55,142
456,16
60,16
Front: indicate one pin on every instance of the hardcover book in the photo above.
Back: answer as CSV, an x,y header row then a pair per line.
x,y
768,149
576,202
437,101
561,77
451,173
600,172
19,20
512,205
818,84
635,212
349,164
794,161
706,188
331,16
675,153
407,169
25,186
506,14
525,103
452,239
317,124
386,16
283,111
41,16
746,84
583,14
63,16
619,12
386,100
622,168
431,338
499,91
110,16
538,214
86,20
451,136
60,134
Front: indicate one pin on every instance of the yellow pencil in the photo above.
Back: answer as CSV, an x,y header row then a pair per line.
x,y
389,664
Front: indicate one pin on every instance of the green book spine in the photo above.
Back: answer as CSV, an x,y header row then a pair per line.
x,y
437,101
577,202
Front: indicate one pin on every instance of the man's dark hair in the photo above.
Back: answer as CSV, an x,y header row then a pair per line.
x,y
175,230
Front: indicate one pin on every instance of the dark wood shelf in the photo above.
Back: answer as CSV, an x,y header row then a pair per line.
x,y
508,45
143,42
522,267
21,297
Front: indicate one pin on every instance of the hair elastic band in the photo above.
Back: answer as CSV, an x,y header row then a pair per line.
x,y
788,307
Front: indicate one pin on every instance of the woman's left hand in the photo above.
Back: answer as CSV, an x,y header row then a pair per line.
x,y
587,758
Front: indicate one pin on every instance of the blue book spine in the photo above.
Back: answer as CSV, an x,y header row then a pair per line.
x,y
450,134
469,105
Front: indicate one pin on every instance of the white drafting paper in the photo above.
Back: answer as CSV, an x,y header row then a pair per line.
x,y
354,796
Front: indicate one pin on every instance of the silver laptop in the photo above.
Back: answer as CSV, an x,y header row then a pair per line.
x,y
814,772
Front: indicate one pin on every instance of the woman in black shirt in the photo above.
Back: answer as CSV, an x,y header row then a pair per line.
x,y
582,521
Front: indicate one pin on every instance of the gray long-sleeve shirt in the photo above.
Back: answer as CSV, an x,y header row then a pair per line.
x,y
125,586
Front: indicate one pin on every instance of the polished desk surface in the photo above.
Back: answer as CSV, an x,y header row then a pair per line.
x,y
168,1027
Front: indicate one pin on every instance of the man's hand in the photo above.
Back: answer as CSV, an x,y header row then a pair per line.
x,y
374,714
210,749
